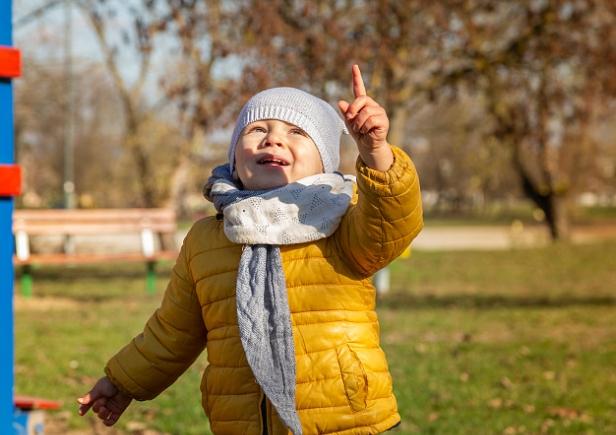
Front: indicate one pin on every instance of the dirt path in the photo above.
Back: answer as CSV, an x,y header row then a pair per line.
x,y
502,237
431,238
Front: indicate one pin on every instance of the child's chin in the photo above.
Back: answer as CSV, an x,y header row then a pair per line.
x,y
270,183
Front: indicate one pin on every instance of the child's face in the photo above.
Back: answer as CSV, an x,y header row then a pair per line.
x,y
272,153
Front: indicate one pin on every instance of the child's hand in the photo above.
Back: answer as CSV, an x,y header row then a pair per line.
x,y
105,400
368,124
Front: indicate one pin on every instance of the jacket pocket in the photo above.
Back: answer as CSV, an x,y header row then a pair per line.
x,y
354,377
204,392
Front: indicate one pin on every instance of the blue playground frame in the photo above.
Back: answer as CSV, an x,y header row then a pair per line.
x,y
7,158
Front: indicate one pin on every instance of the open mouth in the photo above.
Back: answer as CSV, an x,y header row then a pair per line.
x,y
272,161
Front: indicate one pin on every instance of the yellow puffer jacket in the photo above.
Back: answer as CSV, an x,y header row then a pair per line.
x,y
343,381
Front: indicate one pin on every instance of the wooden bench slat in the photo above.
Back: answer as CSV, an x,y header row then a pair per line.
x,y
98,228
57,259
105,221
90,218
78,218
129,212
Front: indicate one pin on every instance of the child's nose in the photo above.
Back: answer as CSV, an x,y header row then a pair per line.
x,y
273,138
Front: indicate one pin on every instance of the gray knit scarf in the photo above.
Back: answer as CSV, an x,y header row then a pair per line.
x,y
306,210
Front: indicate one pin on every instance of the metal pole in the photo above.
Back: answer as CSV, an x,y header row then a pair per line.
x,y
69,124
382,281
7,157
69,127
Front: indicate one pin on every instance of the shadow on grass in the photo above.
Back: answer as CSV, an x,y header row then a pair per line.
x,y
94,284
405,301
72,274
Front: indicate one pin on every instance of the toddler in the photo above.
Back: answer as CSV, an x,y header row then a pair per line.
x,y
277,286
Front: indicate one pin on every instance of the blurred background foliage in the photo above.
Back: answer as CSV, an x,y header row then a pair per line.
x,y
502,105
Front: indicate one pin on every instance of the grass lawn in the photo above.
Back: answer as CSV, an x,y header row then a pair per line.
x,y
507,342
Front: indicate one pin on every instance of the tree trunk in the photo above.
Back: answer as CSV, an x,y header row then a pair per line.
x,y
558,219
179,187
397,129
553,205
143,171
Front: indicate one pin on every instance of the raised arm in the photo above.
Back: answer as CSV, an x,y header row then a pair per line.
x,y
387,214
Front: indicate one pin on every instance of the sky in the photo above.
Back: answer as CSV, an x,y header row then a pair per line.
x,y
43,35
42,38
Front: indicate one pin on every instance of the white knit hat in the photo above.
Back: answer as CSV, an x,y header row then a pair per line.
x,y
312,114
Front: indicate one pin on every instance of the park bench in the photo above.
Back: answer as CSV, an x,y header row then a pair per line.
x,y
157,228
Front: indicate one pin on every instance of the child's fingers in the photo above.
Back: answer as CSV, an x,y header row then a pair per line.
x,y
102,412
116,408
101,390
343,106
99,404
357,105
374,123
86,402
363,115
111,419
359,89
83,409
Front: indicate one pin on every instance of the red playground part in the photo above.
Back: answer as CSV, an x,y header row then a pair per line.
x,y
10,180
10,62
27,403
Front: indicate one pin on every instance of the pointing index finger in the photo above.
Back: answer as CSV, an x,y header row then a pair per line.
x,y
359,89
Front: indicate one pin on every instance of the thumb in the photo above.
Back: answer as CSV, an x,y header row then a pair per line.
x,y
343,106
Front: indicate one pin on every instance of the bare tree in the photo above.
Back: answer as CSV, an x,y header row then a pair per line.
x,y
40,110
199,40
203,81
134,40
542,69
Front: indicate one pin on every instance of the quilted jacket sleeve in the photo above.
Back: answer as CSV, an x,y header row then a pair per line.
x,y
385,218
172,339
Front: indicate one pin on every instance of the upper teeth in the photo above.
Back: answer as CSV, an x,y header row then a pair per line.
x,y
268,160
